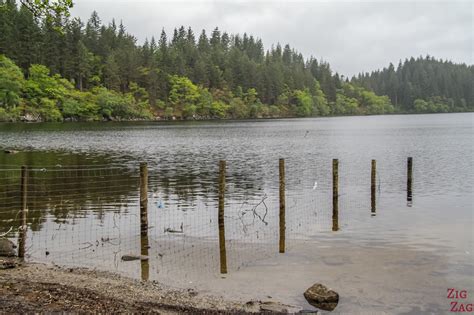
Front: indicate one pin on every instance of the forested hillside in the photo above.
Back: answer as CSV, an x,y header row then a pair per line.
x,y
55,69
424,85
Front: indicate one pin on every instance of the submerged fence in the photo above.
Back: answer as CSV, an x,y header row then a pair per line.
x,y
102,216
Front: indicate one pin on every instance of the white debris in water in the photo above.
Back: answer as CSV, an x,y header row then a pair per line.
x,y
315,185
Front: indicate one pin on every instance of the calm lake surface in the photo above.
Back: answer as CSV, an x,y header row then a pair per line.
x,y
83,203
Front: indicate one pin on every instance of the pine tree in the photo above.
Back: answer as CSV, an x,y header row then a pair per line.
x,y
233,73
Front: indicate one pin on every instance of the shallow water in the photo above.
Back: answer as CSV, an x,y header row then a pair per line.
x,y
83,203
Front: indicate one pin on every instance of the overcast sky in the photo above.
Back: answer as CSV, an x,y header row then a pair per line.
x,y
352,36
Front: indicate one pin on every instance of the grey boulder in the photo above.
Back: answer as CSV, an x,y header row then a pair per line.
x,y
7,248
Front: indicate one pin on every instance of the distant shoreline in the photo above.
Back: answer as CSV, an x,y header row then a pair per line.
x,y
219,119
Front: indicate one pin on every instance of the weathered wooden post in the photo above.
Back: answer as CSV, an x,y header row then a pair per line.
x,y
282,205
335,195
23,212
222,251
409,181
373,186
144,264
143,199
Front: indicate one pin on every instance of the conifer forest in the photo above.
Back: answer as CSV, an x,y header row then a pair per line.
x,y
64,69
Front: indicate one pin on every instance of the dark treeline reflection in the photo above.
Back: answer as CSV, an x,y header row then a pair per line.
x,y
67,186
62,186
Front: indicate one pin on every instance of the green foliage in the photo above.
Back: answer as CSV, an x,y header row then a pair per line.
x,y
238,109
160,105
433,105
11,83
303,102
274,111
72,109
253,103
52,98
4,116
375,104
80,106
116,106
204,103
41,84
48,8
354,100
218,109
46,108
346,105
443,85
183,96
11,114
320,103
93,71
168,112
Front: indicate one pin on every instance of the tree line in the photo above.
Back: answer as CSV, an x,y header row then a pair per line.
x,y
67,69
424,84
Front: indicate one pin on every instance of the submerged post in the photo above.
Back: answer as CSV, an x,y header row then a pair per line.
x,y
282,205
409,181
144,264
335,195
222,251
373,187
143,199
23,212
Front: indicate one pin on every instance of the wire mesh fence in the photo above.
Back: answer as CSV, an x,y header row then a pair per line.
x,y
93,216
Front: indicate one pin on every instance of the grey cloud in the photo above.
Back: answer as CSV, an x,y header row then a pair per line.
x,y
352,36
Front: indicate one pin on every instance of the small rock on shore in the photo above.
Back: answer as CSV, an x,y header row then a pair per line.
x,y
322,297
7,248
134,257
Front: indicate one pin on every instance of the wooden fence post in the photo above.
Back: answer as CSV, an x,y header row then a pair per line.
x,y
143,199
373,186
282,205
23,212
144,264
335,195
222,250
409,180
